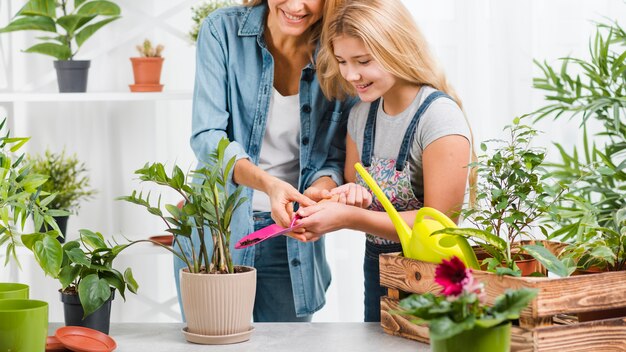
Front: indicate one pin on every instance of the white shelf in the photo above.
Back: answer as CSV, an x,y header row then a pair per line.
x,y
94,96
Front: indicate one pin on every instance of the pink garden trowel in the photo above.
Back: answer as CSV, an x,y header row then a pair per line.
x,y
266,233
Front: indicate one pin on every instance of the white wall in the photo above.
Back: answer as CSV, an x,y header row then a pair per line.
x,y
485,46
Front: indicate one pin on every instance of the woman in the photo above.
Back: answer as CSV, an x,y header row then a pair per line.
x,y
256,84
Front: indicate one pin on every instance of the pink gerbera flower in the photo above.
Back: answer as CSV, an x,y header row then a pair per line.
x,y
451,274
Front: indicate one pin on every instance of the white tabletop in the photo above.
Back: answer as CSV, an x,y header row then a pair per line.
x,y
266,337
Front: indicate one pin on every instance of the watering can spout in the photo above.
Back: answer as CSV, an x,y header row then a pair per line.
x,y
402,228
419,243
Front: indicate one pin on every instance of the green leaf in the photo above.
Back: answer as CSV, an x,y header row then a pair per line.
x,y
39,8
76,255
49,255
99,8
130,281
512,302
71,22
549,260
88,31
93,292
444,327
37,23
61,52
91,239
67,275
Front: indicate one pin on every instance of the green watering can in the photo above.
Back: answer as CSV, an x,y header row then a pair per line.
x,y
418,243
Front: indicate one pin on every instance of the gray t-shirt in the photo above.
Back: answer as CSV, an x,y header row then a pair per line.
x,y
442,118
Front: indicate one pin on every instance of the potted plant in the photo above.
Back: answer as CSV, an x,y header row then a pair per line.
x,y
67,178
85,271
217,296
200,12
23,322
147,68
70,26
592,216
458,319
512,196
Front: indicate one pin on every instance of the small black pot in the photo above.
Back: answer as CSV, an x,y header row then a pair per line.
x,y
72,75
61,222
98,320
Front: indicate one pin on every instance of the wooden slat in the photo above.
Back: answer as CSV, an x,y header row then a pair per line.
x,y
596,336
395,324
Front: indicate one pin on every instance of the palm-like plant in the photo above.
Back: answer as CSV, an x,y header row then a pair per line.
x,y
597,92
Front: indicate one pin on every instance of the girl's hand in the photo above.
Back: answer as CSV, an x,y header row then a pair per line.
x,y
316,193
353,194
322,218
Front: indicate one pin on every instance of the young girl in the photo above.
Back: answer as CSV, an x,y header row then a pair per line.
x,y
408,131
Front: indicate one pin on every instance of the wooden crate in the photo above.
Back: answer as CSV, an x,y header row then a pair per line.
x,y
549,323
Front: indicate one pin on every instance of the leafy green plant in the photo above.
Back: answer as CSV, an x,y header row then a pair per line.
x,y
208,205
147,50
19,192
461,305
200,12
83,267
512,196
70,26
66,176
591,91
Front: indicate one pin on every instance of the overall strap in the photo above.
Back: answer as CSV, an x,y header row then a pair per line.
x,y
407,141
369,133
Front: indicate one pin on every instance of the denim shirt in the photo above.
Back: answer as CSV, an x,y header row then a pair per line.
x,y
234,80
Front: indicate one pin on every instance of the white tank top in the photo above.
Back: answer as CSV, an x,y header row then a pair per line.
x,y
280,149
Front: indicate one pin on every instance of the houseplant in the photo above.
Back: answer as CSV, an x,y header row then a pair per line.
x,y
23,322
200,12
85,271
458,319
512,196
591,91
67,178
147,68
217,296
69,25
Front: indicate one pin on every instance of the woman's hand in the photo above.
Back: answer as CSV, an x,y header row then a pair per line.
x,y
282,195
353,194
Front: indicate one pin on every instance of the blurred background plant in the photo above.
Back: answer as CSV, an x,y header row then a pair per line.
x,y
147,50
200,12
593,91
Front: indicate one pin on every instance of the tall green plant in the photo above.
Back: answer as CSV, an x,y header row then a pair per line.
x,y
19,192
70,25
208,206
592,90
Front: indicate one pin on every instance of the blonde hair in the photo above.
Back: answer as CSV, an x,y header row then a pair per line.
x,y
388,30
330,6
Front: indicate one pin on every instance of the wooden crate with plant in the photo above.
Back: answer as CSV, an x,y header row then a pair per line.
x,y
584,208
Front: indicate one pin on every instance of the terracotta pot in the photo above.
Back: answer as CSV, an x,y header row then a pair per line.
x,y
218,304
147,74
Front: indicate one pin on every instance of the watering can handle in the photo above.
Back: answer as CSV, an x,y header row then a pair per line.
x,y
436,215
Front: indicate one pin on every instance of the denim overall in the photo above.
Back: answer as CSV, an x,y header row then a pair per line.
x,y
393,177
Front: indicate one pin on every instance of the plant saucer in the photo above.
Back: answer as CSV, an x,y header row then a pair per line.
x,y
218,340
54,345
81,339
145,87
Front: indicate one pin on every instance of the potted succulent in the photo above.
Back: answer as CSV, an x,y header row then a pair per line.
x,y
592,216
67,178
147,68
217,296
458,319
23,322
200,12
85,270
512,197
69,27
